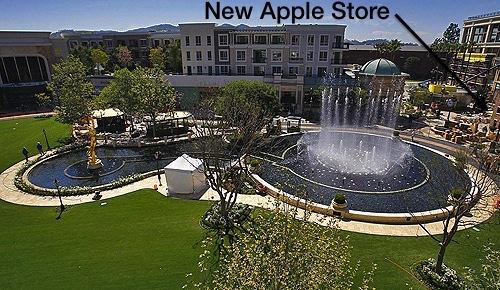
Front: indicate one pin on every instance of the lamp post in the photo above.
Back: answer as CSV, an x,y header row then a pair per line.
x,y
56,183
157,157
46,140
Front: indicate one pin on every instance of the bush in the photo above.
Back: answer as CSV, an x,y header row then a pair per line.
x,y
339,199
212,219
457,193
449,280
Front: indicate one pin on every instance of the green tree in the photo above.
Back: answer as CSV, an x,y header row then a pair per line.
x,y
489,276
153,93
389,48
70,90
123,56
118,94
83,54
99,58
281,252
157,58
411,66
174,57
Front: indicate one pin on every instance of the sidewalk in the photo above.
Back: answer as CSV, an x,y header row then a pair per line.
x,y
26,116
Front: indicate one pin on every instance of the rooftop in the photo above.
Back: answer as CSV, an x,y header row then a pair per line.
x,y
483,16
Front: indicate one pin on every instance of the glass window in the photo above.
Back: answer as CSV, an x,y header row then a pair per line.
x,y
223,55
259,70
295,39
309,71
199,70
209,40
323,40
3,73
260,39
144,43
198,56
187,40
34,66
310,55
223,39
198,40
277,70
277,56
209,55
224,69
241,70
321,71
293,70
241,39
22,66
241,55
323,55
278,39
310,40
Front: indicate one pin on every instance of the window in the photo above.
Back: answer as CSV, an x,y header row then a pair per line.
x,y
260,39
310,55
277,70
109,43
323,55
310,40
144,43
259,70
294,55
323,40
223,39
156,42
210,72
224,69
73,43
278,39
133,43
309,71
293,70
241,39
93,44
241,55
336,57
241,70
187,40
277,56
321,71
209,55
337,71
188,55
85,44
223,55
209,40
189,70
295,39
478,34
197,39
495,33
199,70
198,56
259,56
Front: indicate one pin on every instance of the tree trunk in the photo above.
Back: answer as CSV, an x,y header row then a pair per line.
x,y
440,258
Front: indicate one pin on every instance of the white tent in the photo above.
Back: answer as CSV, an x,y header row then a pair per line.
x,y
185,175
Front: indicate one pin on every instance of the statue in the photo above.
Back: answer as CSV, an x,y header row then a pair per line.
x,y
93,162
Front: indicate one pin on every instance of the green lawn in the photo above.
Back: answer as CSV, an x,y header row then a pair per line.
x,y
145,240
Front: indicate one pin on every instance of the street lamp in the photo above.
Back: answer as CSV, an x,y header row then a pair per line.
x,y
56,183
46,140
157,157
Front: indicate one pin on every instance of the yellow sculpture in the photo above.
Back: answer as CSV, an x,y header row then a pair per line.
x,y
93,162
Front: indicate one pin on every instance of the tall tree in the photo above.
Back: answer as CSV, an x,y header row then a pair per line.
x,y
99,58
153,92
389,48
70,90
118,94
123,56
174,57
157,58
83,54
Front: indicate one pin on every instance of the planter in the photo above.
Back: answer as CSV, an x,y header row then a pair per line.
x,y
339,206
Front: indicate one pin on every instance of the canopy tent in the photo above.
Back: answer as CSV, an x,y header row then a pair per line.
x,y
185,175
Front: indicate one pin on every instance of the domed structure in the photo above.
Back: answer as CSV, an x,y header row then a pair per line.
x,y
380,67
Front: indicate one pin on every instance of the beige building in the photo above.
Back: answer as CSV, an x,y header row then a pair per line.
x,y
484,31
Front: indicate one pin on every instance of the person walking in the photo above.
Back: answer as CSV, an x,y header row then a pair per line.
x,y
413,133
39,147
26,154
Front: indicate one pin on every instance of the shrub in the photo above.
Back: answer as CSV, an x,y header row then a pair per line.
x,y
213,220
339,199
457,193
395,133
448,280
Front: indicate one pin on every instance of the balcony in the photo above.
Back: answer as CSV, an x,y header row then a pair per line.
x,y
259,59
340,45
296,60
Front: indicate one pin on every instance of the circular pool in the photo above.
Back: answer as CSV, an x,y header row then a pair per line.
x,y
418,180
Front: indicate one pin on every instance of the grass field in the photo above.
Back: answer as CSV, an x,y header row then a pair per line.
x,y
144,240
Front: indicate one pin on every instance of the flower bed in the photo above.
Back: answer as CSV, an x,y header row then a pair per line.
x,y
449,280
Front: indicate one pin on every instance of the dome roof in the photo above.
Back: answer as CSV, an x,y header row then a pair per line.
x,y
380,67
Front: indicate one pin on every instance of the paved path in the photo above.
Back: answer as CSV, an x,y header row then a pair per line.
x,y
10,193
27,116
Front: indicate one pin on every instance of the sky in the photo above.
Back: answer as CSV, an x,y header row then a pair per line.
x,y
428,17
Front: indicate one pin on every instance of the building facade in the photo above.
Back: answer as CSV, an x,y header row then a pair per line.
x,y
291,57
26,59
484,32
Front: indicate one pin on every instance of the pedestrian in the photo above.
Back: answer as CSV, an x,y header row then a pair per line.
x,y
26,154
413,132
39,147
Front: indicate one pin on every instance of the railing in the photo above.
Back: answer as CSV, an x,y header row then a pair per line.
x,y
296,59
259,60
340,45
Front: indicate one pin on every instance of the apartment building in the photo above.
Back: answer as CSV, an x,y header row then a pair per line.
x,y
291,57
484,32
